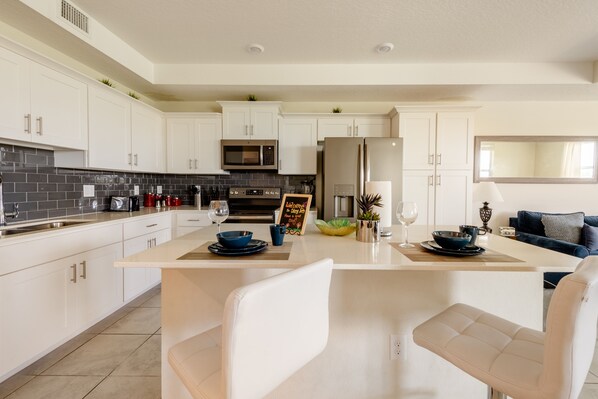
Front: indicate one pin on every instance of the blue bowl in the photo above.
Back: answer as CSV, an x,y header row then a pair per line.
x,y
234,239
451,239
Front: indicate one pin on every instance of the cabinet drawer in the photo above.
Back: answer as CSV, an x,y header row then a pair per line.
x,y
193,219
146,225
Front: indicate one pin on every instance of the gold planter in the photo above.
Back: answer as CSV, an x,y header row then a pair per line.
x,y
367,230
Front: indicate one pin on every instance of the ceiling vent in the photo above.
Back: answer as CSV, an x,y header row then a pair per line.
x,y
74,16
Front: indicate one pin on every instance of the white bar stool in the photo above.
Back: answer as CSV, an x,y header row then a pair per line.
x,y
270,330
517,361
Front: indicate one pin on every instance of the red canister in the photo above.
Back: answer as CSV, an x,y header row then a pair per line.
x,y
149,200
177,201
168,200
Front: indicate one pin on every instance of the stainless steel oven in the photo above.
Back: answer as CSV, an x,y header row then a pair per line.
x,y
253,204
249,154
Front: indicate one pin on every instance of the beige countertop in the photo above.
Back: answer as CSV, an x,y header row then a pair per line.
x,y
349,254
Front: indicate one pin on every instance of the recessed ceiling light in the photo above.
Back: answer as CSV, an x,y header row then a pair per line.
x,y
255,48
385,48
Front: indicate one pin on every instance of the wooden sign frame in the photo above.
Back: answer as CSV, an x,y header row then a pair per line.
x,y
294,211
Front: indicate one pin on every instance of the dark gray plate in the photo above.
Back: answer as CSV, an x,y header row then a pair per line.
x,y
253,247
432,246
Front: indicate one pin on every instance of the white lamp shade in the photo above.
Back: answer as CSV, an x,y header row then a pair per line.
x,y
487,192
384,188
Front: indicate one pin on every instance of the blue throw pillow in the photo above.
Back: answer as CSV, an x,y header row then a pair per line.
x,y
590,236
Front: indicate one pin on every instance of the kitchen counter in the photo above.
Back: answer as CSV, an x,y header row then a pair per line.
x,y
376,291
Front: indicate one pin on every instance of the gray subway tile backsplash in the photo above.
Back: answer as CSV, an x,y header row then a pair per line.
x,y
44,191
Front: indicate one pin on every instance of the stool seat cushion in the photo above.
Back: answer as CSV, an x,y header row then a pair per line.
x,y
494,350
198,362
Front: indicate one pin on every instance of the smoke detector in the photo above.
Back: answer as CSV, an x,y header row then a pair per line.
x,y
255,48
385,48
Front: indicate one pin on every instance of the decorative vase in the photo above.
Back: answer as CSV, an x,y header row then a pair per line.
x,y
367,230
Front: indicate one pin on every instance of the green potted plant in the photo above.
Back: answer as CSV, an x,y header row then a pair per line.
x,y
368,221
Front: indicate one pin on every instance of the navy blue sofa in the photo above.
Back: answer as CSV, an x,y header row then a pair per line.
x,y
530,229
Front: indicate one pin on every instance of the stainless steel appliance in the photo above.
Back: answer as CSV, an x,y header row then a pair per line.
x,y
349,162
249,154
253,204
124,204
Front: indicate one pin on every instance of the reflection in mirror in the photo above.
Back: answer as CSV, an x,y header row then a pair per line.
x,y
536,159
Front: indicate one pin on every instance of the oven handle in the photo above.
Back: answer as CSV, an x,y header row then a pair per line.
x,y
256,217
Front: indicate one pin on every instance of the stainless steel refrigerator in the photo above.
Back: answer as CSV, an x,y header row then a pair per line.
x,y
349,162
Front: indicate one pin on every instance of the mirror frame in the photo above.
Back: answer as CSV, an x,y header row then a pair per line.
x,y
537,180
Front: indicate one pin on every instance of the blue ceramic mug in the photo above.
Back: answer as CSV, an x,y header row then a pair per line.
x,y
277,232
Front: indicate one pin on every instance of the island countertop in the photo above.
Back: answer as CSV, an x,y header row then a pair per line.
x,y
350,254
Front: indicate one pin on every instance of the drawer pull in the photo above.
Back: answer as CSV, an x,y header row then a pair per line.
x,y
193,220
152,225
74,268
28,123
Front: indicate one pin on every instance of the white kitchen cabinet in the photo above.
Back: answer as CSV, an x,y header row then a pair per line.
x,y
190,221
123,134
140,235
41,105
250,120
193,144
43,305
353,126
437,163
298,146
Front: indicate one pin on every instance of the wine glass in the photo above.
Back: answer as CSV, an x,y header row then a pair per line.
x,y
218,212
407,214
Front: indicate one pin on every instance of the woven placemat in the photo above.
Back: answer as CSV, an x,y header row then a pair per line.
x,y
281,252
419,254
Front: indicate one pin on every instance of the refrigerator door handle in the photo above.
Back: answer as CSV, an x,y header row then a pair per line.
x,y
366,152
361,168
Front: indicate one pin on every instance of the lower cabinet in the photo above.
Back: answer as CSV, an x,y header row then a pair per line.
x,y
43,305
190,221
139,280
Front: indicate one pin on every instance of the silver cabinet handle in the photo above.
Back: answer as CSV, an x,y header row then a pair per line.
x,y
149,243
190,160
438,181
195,163
246,130
136,157
431,159
430,180
83,269
349,131
152,225
438,159
40,125
74,268
356,130
129,157
251,130
28,123
193,220
154,241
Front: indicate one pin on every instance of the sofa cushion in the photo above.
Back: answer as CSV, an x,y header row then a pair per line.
x,y
591,220
530,222
590,237
566,227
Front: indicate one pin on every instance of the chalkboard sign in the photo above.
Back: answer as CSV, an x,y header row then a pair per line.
x,y
294,211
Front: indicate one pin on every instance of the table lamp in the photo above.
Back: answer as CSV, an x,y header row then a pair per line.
x,y
486,192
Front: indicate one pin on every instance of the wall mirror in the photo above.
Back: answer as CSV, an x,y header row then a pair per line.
x,y
536,159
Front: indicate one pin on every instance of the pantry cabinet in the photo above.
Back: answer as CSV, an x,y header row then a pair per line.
x,y
437,162
250,120
298,146
40,105
193,144
353,126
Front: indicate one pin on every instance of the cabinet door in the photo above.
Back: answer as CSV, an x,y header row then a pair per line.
x,y
135,280
236,122
154,274
148,139
418,131
14,96
298,147
454,140
180,145
372,127
208,136
335,127
37,309
418,186
58,108
109,130
264,123
99,283
453,197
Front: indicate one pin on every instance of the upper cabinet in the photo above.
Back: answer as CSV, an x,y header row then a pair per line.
x,y
193,143
123,134
40,105
352,126
298,146
250,120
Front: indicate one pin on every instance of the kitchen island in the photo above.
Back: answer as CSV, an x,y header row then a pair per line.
x,y
377,290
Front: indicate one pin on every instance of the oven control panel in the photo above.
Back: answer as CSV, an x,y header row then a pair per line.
x,y
254,192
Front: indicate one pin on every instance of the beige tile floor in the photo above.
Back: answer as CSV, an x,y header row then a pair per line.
x,y
119,357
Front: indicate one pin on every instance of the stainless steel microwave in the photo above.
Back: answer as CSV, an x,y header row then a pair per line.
x,y
249,154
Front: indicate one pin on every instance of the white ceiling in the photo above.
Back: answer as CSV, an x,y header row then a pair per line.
x,y
324,50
